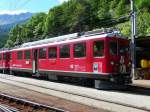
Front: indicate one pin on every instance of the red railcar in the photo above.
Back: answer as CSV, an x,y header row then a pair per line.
x,y
5,61
95,55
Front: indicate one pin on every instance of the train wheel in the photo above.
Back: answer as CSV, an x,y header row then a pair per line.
x,y
106,85
3,71
88,82
12,72
52,77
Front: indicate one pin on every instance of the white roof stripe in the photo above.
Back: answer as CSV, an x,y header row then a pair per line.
x,y
63,42
82,38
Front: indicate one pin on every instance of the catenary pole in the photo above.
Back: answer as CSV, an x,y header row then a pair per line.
x,y
133,36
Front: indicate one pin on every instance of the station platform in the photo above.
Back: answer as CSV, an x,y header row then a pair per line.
x,y
100,100
142,83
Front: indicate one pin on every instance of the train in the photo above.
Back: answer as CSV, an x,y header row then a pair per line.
x,y
95,55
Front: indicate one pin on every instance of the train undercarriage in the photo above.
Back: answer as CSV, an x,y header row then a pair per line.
x,y
101,82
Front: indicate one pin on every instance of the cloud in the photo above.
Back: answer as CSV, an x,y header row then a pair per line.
x,y
12,12
61,1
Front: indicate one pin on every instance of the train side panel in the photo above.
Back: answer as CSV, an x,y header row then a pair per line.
x,y
19,63
1,61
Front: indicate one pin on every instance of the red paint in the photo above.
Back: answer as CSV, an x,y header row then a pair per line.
x,y
84,64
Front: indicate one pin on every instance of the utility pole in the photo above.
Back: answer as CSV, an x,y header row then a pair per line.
x,y
133,35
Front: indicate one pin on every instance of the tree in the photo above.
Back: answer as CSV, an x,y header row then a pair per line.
x,y
78,16
121,9
143,23
143,5
103,12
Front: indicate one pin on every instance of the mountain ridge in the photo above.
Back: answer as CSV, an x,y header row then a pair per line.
x,y
8,21
9,18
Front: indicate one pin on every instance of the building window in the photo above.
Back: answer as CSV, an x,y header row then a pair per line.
x,y
19,56
42,53
52,52
64,51
98,48
27,54
113,48
80,50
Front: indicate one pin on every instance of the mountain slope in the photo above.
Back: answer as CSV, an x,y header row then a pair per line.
x,y
9,21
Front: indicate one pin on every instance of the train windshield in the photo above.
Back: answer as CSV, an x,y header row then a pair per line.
x,y
113,47
123,49
98,49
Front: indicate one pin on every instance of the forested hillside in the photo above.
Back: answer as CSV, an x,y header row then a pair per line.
x,y
82,15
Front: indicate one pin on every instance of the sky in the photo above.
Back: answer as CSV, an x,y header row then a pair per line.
x,y
19,6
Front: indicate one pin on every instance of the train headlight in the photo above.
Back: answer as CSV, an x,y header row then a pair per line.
x,y
112,63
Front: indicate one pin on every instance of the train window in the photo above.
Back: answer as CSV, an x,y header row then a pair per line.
x,y
52,52
80,50
19,55
98,48
4,56
1,57
27,54
123,49
10,55
42,53
113,48
64,51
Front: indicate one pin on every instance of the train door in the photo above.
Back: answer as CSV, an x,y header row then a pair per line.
x,y
99,56
6,62
118,55
35,61
80,57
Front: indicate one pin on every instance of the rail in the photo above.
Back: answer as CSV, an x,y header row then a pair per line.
x,y
90,96
25,102
5,108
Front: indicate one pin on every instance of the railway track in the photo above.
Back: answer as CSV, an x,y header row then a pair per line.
x,y
14,104
85,95
5,108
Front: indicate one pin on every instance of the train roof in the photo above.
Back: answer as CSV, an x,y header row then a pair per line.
x,y
4,50
73,36
100,33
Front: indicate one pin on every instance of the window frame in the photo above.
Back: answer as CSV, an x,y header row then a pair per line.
x,y
26,56
18,58
39,56
113,41
69,46
103,41
56,49
4,56
85,50
10,55
1,58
